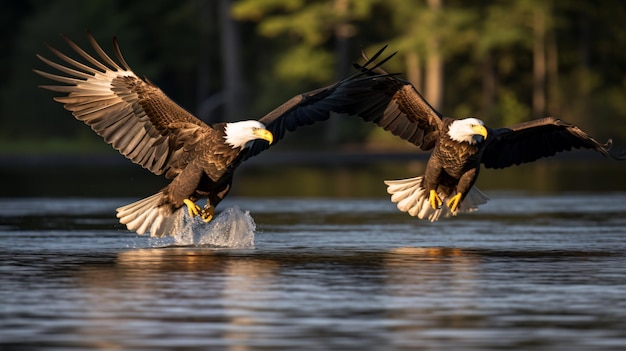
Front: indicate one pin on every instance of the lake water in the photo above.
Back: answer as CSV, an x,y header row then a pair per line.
x,y
523,273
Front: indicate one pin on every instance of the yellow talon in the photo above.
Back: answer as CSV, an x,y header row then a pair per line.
x,y
193,209
435,201
454,202
207,213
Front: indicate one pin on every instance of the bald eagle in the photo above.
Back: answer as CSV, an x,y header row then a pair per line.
x,y
143,124
459,146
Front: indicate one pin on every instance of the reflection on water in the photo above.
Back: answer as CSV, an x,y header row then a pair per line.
x,y
524,273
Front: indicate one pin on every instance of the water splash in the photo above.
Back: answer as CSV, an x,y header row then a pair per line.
x,y
232,228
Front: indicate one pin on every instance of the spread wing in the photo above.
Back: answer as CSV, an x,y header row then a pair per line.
x,y
130,113
371,94
529,141
395,105
320,104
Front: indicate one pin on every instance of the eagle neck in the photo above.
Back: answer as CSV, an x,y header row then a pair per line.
x,y
233,136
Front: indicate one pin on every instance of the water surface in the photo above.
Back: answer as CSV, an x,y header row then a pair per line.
x,y
523,273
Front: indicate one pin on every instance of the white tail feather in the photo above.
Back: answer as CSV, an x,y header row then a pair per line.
x,y
412,197
146,215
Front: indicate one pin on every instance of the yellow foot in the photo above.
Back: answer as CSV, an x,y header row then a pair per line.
x,y
454,202
435,201
193,209
207,213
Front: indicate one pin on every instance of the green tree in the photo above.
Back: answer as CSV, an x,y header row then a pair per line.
x,y
315,39
504,61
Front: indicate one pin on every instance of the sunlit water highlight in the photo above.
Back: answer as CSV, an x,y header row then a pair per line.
x,y
232,228
523,273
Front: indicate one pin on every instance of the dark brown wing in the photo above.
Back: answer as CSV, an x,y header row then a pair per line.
x,y
397,107
407,114
318,105
527,142
131,114
371,94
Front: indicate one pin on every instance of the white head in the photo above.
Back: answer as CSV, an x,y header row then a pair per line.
x,y
469,130
239,134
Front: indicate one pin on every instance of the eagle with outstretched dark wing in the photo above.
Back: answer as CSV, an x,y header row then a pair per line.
x,y
459,146
145,125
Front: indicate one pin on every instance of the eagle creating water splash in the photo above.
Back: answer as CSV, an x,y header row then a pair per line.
x,y
232,228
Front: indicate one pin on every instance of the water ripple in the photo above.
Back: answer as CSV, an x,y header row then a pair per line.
x,y
540,273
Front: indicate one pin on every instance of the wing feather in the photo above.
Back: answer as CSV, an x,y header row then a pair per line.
x,y
396,106
131,114
103,55
527,142
318,105
370,94
406,113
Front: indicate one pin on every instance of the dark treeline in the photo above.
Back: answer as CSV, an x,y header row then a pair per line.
x,y
504,61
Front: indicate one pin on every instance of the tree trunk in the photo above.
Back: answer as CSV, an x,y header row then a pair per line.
x,y
539,63
489,86
342,34
206,16
433,89
231,63
414,69
554,92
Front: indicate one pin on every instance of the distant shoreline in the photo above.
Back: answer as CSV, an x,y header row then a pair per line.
x,y
296,158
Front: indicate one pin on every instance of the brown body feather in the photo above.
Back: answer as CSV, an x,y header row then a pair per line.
x,y
142,123
453,166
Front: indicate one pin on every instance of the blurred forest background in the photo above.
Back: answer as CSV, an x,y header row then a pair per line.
x,y
504,61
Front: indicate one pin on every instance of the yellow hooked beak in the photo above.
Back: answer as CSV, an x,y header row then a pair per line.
x,y
480,130
264,134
